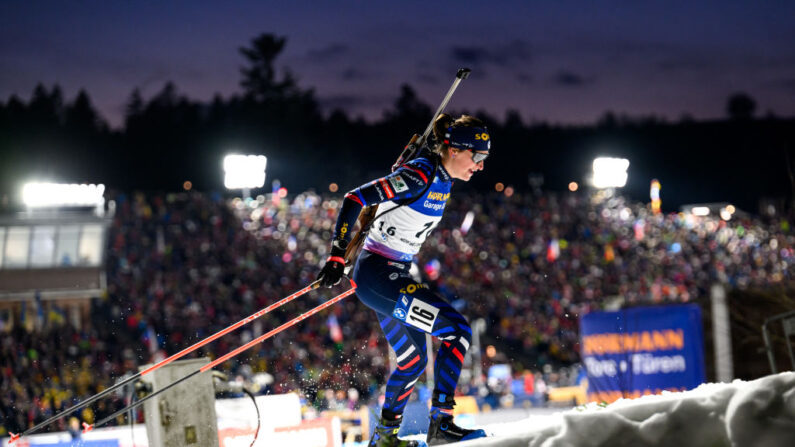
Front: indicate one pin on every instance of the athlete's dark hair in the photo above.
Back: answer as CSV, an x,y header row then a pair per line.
x,y
444,121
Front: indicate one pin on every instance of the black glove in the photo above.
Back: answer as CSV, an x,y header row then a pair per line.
x,y
331,273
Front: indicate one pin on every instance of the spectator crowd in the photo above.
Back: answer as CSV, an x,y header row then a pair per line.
x,y
183,266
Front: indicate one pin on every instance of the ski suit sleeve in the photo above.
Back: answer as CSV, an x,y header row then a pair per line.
x,y
407,181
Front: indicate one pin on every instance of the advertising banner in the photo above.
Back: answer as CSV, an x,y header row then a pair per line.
x,y
642,350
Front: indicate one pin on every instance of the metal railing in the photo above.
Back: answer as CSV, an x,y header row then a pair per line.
x,y
788,324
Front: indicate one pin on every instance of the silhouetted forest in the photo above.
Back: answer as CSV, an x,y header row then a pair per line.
x,y
169,138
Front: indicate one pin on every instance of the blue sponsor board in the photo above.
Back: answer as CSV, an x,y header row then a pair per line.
x,y
642,350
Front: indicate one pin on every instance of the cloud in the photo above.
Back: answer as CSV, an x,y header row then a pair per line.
x,y
524,78
344,102
683,62
351,102
567,78
470,55
512,54
787,84
352,74
427,78
328,53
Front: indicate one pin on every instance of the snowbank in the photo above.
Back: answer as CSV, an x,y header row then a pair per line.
x,y
760,413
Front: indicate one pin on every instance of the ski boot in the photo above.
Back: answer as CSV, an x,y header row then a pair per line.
x,y
385,435
442,429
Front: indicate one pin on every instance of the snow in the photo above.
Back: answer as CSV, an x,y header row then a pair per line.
x,y
756,413
759,413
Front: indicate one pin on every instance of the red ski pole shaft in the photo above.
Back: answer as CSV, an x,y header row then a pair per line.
x,y
165,362
226,357
231,328
270,334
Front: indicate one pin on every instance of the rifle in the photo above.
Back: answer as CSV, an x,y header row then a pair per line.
x,y
368,213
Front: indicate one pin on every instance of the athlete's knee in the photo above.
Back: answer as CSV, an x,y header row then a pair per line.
x,y
465,336
458,333
421,364
413,364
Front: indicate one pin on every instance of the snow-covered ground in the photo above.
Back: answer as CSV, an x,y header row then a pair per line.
x,y
759,413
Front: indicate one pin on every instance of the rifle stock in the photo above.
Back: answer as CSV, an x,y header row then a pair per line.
x,y
366,216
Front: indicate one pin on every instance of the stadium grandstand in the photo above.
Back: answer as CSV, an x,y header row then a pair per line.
x,y
182,266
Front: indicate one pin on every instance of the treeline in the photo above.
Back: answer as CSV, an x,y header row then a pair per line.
x,y
169,138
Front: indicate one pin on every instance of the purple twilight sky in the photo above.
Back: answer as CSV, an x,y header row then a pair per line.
x,y
562,61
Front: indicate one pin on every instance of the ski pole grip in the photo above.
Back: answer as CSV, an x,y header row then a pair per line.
x,y
463,73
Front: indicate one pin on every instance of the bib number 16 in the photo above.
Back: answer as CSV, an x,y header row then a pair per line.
x,y
422,315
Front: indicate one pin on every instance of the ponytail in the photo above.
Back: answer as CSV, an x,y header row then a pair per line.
x,y
439,129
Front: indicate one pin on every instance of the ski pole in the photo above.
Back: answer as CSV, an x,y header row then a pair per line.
x,y
87,428
165,362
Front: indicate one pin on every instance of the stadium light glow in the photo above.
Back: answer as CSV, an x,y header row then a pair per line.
x,y
43,195
610,172
244,171
727,212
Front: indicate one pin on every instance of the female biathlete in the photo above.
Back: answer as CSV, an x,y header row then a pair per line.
x,y
408,310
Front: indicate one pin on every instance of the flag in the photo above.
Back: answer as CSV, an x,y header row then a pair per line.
x,y
610,254
56,315
150,338
335,332
39,311
23,315
553,250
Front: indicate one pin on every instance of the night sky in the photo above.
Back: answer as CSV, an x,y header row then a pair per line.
x,y
562,61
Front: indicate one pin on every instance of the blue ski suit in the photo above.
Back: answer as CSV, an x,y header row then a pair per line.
x,y
406,309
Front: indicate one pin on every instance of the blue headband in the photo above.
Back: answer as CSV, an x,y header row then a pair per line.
x,y
467,138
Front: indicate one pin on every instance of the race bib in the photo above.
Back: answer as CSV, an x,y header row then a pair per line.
x,y
421,315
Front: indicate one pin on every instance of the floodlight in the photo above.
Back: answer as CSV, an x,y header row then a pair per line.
x,y
700,211
244,171
43,195
610,172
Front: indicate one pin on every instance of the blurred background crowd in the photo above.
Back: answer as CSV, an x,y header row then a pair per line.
x,y
183,266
